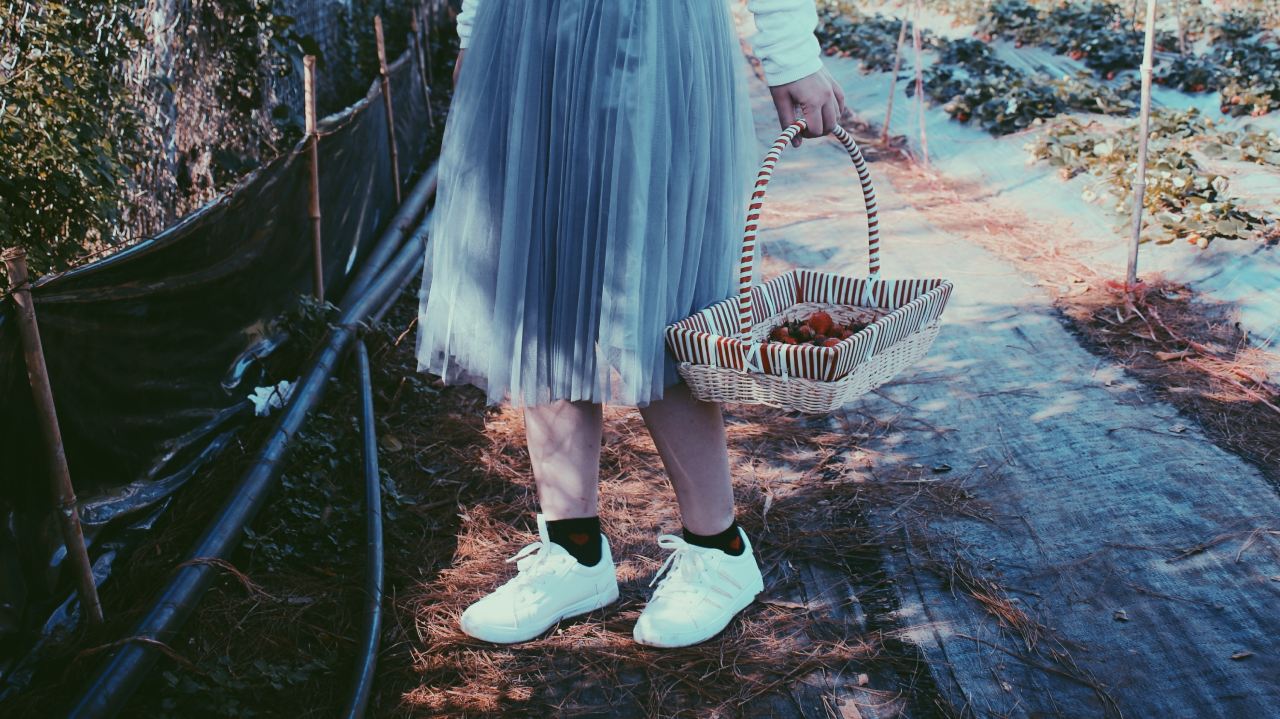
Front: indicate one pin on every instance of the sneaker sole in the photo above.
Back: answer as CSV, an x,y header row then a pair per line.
x,y
504,635
674,640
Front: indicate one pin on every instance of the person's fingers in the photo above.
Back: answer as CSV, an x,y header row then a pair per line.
x,y
829,116
786,107
817,123
841,108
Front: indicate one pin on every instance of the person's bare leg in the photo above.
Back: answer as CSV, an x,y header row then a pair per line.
x,y
564,448
690,437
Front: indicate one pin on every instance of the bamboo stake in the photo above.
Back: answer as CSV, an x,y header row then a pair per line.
x,y
15,260
915,41
1182,28
1144,119
893,81
313,161
386,98
416,31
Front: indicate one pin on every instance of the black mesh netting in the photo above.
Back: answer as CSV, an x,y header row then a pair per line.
x,y
151,352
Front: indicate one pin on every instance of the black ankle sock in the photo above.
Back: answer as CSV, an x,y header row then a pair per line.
x,y
579,536
728,541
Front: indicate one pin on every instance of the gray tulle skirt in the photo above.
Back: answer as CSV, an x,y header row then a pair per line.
x,y
594,174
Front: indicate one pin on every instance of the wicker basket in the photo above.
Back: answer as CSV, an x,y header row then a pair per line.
x,y
723,354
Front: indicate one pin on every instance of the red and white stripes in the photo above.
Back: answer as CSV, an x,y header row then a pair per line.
x,y
712,336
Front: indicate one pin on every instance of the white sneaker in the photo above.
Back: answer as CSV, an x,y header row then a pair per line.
x,y
551,585
703,591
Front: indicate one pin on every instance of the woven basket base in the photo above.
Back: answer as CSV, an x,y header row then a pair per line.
x,y
717,384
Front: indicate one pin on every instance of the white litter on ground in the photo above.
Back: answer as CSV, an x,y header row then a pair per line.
x,y
270,397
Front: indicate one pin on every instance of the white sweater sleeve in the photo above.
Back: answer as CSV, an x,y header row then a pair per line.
x,y
465,19
784,39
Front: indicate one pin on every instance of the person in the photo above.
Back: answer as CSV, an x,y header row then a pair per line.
x,y
593,179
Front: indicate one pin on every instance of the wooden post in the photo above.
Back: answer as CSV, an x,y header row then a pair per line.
x,y
313,160
15,260
1144,118
915,41
1182,28
386,98
893,81
416,28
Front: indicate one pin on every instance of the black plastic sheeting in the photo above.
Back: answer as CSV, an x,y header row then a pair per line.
x,y
153,351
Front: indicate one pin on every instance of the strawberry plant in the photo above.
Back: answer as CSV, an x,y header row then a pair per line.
x,y
1184,201
872,40
976,86
1188,73
1250,77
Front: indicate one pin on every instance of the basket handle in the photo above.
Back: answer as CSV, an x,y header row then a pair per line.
x,y
757,201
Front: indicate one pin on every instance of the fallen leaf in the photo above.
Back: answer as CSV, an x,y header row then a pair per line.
x,y
390,443
1169,356
1121,615
863,680
1243,654
1178,428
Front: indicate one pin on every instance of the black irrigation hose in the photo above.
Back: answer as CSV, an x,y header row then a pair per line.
x,y
372,630
116,682
403,221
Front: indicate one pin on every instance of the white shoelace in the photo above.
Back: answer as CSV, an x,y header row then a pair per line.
x,y
685,563
533,567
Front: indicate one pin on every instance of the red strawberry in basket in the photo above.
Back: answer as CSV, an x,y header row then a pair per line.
x,y
831,342
821,322
780,334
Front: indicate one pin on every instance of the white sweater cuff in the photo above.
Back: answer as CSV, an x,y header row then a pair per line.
x,y
465,20
784,39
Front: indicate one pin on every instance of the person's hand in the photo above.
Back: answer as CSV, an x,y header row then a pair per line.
x,y
817,97
457,65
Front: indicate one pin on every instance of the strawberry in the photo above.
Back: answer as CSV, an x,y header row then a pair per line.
x,y
821,322
832,342
804,332
779,334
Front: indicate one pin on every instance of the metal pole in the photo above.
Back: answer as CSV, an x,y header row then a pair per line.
x,y
893,80
15,260
418,42
915,41
313,160
1144,118
386,98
